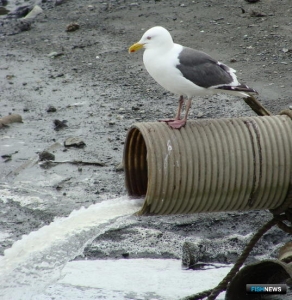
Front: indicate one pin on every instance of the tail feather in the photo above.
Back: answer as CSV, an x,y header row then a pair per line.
x,y
239,88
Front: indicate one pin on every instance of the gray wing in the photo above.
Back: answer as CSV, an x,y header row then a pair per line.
x,y
202,69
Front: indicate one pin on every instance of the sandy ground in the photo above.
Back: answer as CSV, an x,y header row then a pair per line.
x,y
100,90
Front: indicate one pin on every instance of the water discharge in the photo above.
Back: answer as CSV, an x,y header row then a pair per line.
x,y
36,261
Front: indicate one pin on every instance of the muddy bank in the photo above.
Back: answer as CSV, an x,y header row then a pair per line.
x,y
98,90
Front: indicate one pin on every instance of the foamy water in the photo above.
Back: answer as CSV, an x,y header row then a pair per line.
x,y
36,261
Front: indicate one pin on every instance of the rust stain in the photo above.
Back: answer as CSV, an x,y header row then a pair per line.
x,y
255,141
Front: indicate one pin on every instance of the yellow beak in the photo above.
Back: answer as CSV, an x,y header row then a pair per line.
x,y
136,47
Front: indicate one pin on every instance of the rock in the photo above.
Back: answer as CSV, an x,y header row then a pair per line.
x,y
90,7
74,142
55,54
72,27
3,10
120,167
51,108
12,118
8,157
192,254
257,14
20,12
59,2
9,77
200,114
60,124
45,155
33,13
24,26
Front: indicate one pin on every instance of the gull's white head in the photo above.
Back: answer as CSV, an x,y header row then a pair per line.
x,y
155,37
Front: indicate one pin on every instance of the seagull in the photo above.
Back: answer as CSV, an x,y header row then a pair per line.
x,y
185,72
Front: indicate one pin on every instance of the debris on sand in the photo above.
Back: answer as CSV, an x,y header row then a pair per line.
x,y
72,27
13,118
74,142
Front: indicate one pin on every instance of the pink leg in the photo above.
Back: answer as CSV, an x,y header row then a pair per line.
x,y
177,124
180,104
177,117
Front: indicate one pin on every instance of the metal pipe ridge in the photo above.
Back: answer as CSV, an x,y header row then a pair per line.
x,y
209,165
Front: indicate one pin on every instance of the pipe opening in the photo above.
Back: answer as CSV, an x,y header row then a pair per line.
x,y
135,159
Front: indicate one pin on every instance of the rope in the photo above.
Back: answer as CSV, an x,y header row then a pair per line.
x,y
287,112
256,106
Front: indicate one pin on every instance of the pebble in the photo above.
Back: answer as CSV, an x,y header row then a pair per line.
x,y
55,54
74,142
59,2
60,124
200,114
72,27
45,155
20,11
257,14
24,26
119,167
33,13
51,108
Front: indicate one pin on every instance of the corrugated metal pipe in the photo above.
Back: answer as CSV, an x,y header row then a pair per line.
x,y
210,165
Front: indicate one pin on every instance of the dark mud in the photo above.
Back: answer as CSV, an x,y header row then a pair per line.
x,y
98,90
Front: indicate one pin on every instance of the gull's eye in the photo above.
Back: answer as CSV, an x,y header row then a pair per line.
x,y
148,37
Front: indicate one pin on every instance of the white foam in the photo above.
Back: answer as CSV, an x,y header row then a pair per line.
x,y
164,278
135,279
36,260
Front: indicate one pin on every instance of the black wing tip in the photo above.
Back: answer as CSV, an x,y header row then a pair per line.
x,y
240,88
